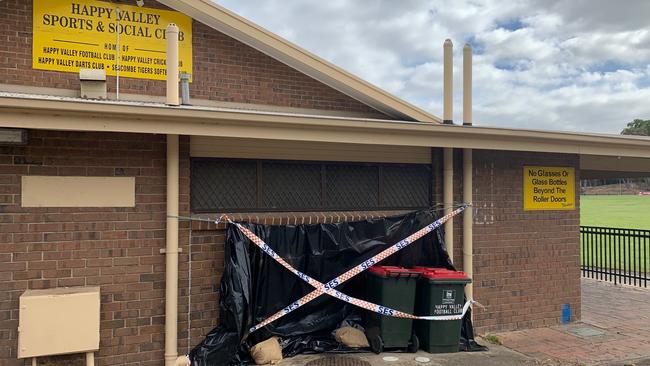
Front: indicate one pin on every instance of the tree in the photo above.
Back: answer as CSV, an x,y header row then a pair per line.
x,y
642,128
637,127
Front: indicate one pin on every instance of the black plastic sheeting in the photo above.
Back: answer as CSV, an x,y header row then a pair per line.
x,y
254,286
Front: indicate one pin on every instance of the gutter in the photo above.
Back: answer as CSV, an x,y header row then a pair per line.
x,y
57,114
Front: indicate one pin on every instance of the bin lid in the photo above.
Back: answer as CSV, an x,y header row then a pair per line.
x,y
421,269
392,271
440,273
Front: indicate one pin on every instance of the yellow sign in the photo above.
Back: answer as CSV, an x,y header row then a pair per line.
x,y
74,34
549,188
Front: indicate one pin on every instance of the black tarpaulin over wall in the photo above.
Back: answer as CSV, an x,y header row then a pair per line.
x,y
254,286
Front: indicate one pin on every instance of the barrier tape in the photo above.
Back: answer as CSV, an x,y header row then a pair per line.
x,y
329,287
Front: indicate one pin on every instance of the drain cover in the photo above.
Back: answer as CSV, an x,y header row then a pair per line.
x,y
338,361
586,332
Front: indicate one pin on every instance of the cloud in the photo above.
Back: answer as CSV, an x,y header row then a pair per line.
x,y
544,64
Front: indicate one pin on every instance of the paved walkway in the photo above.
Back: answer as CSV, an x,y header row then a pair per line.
x,y
496,356
615,330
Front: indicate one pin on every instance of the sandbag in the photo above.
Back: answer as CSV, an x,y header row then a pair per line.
x,y
183,361
266,352
351,337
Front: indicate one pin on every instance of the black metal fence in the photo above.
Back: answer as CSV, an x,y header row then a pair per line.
x,y
615,254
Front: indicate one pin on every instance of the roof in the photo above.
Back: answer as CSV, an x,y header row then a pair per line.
x,y
245,31
65,113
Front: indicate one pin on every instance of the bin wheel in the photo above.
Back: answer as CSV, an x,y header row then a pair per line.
x,y
376,344
414,344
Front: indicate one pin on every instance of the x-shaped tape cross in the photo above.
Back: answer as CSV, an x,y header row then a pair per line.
x,y
329,287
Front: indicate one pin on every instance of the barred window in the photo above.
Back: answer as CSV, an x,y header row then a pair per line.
x,y
239,185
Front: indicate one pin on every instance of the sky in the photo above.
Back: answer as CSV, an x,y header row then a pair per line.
x,y
573,65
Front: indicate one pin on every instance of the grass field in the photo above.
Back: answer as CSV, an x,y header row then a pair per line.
x,y
626,212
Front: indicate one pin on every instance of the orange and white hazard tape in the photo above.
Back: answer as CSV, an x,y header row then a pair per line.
x,y
328,288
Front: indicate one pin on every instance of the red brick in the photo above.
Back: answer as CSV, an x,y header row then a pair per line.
x,y
71,282
27,275
71,263
34,256
240,74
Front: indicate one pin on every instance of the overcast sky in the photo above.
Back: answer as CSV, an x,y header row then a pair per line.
x,y
574,65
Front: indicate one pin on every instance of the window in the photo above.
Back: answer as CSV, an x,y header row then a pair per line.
x,y
239,185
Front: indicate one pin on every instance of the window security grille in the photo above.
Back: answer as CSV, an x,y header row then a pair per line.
x,y
238,185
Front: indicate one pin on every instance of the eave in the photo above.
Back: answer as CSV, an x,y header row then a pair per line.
x,y
80,115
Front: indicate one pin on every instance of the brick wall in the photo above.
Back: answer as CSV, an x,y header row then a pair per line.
x,y
224,69
526,263
114,248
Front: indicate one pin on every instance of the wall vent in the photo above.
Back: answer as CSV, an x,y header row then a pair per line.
x,y
93,83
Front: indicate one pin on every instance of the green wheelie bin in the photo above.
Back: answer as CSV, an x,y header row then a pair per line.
x,y
392,287
439,292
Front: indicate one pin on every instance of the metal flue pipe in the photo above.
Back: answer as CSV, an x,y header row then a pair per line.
x,y
448,153
172,64
448,82
467,85
468,167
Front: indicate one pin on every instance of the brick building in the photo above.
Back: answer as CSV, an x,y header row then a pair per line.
x,y
264,115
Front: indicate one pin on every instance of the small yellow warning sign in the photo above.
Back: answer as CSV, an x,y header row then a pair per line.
x,y
549,188
73,34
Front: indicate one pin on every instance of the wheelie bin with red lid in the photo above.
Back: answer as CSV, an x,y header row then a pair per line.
x,y
392,287
439,292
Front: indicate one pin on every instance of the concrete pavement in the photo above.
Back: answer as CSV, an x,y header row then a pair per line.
x,y
614,331
496,356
